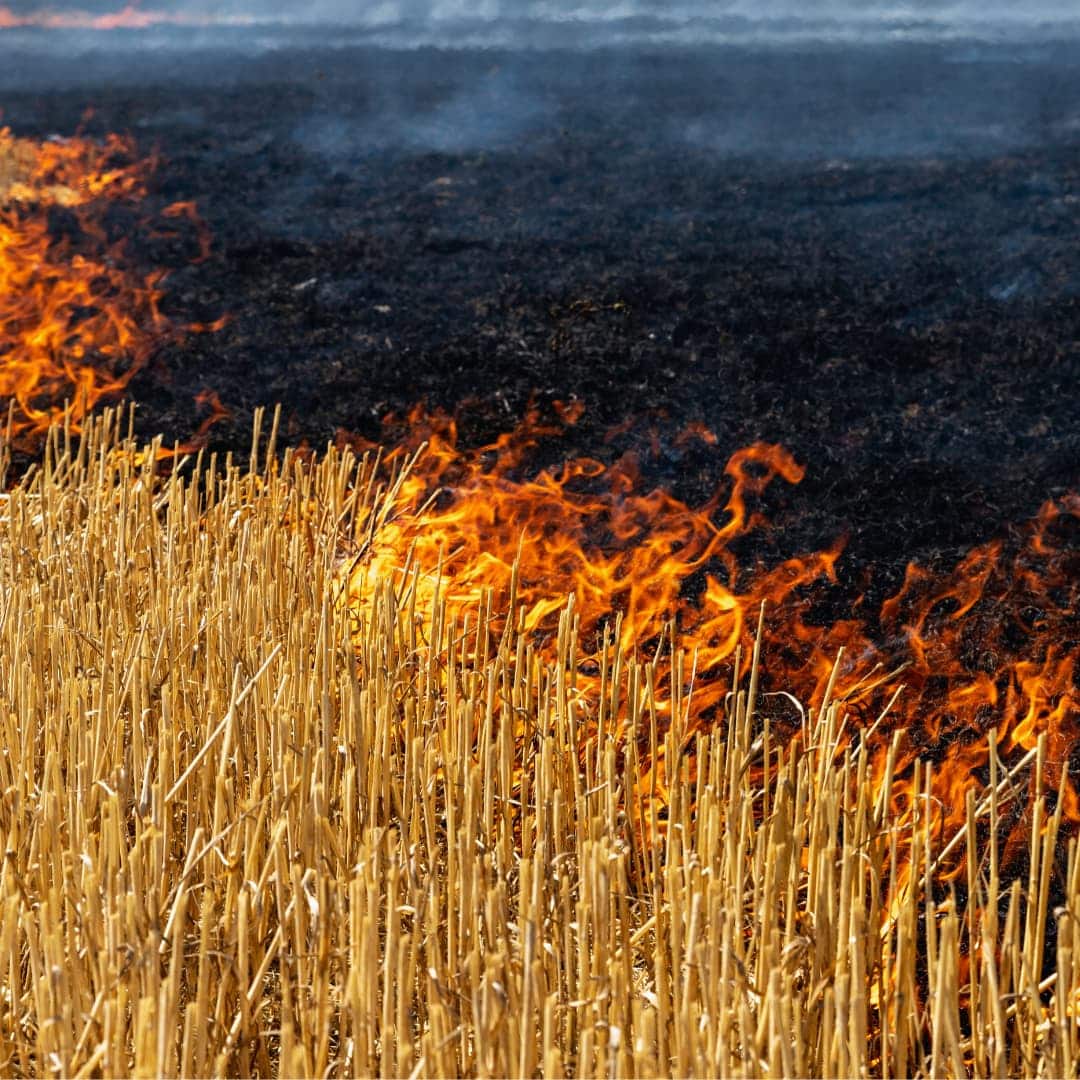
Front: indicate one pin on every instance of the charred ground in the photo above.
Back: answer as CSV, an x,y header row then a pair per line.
x,y
870,256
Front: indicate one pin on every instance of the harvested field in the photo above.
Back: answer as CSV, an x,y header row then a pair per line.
x,y
257,824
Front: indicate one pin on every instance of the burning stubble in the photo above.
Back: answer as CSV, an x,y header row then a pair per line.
x,y
991,644
414,721
77,319
259,820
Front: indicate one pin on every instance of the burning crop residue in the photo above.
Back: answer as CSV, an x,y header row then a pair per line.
x,y
77,319
128,17
991,645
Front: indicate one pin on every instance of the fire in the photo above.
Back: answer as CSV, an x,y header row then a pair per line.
x,y
129,17
77,321
993,644
990,646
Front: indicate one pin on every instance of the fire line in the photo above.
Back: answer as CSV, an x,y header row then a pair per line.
x,y
992,644
77,319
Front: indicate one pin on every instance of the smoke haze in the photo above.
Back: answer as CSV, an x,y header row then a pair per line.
x,y
571,23
787,80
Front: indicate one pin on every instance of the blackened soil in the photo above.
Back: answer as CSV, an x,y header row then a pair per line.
x,y
872,257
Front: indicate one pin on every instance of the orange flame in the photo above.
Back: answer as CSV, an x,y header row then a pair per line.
x,y
994,643
129,17
76,320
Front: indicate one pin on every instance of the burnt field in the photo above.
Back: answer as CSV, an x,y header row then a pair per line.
x,y
869,256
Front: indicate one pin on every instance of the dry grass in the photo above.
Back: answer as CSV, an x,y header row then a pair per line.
x,y
247,830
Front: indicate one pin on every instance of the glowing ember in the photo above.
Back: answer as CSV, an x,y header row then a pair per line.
x,y
994,644
76,320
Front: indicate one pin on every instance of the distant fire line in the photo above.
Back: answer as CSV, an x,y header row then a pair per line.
x,y
130,17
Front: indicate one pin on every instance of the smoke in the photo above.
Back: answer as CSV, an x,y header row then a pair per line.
x,y
560,23
490,111
892,103
833,79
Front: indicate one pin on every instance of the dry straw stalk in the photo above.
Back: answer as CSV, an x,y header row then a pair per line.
x,y
250,828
